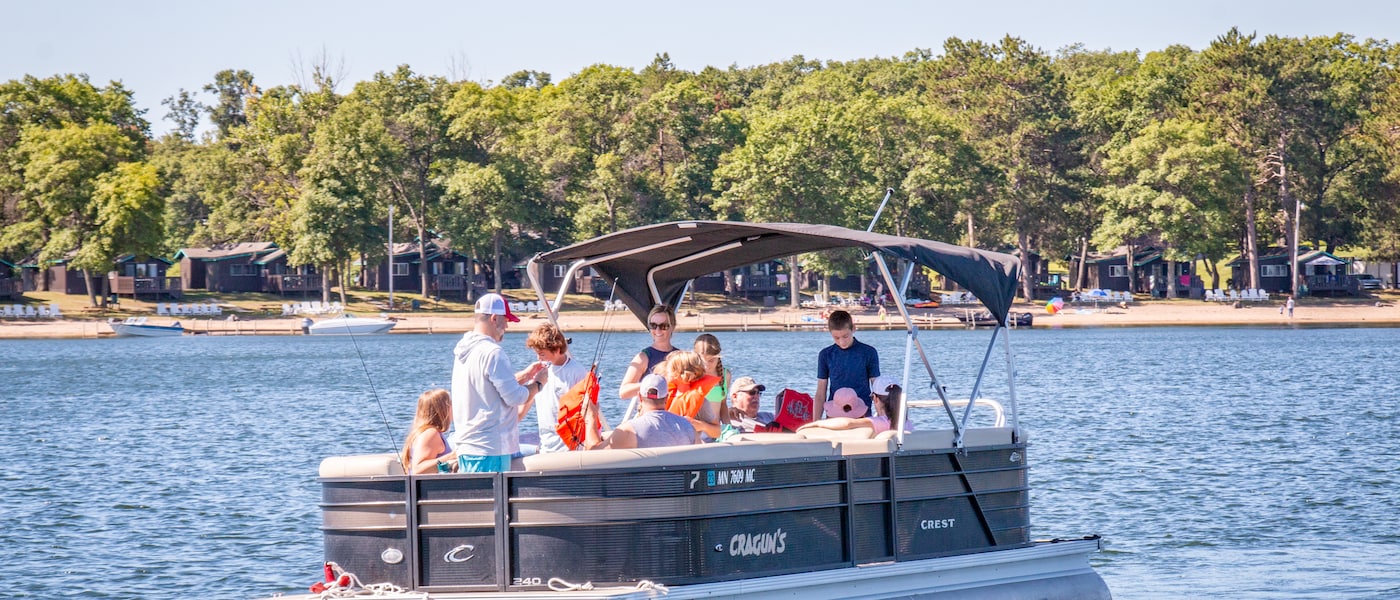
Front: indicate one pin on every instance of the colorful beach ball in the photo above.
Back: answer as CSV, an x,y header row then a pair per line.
x,y
1055,305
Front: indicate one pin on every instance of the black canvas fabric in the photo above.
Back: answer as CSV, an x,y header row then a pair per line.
x,y
629,256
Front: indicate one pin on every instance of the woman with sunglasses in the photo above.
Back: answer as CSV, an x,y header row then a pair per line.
x,y
661,322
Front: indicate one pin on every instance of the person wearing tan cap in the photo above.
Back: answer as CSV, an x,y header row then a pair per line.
x,y
746,400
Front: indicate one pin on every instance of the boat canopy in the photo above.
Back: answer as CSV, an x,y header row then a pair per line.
x,y
652,264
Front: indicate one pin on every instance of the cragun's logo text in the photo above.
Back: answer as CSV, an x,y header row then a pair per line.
x,y
758,544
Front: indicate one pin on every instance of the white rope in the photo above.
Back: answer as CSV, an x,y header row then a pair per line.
x,y
649,585
359,589
559,585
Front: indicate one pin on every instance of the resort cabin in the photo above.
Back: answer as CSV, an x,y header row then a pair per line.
x,y
1323,273
1044,286
1152,273
131,275
282,278
11,285
449,272
143,276
224,267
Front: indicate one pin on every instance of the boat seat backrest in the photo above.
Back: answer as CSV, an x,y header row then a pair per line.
x,y
361,465
700,454
837,435
939,439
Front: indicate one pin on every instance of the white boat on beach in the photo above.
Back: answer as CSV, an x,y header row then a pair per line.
x,y
348,325
137,327
939,513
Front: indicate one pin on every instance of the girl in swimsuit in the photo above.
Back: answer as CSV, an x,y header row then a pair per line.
x,y
426,445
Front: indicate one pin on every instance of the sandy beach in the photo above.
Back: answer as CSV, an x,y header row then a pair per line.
x,y
1310,312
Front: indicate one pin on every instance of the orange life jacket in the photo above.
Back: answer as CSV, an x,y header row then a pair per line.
x,y
570,424
687,398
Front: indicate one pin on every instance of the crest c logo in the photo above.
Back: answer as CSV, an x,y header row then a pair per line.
x,y
455,555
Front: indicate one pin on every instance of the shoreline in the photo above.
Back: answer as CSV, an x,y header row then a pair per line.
x,y
1166,313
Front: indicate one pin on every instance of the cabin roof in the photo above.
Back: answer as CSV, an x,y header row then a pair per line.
x,y
226,251
671,254
1305,256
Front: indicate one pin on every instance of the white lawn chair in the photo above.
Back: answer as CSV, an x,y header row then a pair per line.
x,y
55,312
162,309
7,311
1263,296
337,307
30,313
43,311
287,310
1249,296
303,308
1234,295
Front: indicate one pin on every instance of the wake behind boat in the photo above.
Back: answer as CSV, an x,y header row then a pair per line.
x,y
940,513
348,325
137,327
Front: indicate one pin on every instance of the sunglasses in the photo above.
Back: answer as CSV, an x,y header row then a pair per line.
x,y
659,326
752,392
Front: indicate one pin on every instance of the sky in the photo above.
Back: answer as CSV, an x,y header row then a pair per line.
x,y
158,48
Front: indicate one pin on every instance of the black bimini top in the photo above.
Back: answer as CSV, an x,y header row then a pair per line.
x,y
667,255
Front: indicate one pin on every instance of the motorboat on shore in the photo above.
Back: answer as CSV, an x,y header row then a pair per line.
x,y
348,325
138,327
937,513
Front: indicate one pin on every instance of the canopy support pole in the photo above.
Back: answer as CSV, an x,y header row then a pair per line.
x,y
976,387
1011,384
923,357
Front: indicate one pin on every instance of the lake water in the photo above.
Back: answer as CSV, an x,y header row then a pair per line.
x,y
1217,462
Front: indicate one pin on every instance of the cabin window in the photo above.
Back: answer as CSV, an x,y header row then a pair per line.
x,y
243,270
400,269
559,271
1118,270
436,268
1273,270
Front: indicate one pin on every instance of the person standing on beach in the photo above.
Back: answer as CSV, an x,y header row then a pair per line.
x,y
661,322
847,362
1289,305
486,393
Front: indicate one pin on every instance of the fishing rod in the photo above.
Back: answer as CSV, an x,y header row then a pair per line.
x,y
603,338
393,445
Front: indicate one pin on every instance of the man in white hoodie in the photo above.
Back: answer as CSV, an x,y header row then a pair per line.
x,y
487,393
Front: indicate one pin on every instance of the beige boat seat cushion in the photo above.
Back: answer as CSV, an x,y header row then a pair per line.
x,y
361,465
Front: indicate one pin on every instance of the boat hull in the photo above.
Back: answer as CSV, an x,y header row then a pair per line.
x,y
697,518
351,326
125,330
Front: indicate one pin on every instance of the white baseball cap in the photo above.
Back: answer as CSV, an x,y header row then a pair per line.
x,y
653,387
494,304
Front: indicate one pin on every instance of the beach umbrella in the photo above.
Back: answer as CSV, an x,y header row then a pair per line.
x,y
1055,305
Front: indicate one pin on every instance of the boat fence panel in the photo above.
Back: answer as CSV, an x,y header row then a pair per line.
x,y
365,526
949,503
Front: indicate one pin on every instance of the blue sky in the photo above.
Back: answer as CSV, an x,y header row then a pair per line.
x,y
156,48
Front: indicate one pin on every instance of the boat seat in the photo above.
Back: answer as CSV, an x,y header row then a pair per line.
x,y
361,465
699,454
938,439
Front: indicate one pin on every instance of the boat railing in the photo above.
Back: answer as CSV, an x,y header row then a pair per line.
x,y
998,410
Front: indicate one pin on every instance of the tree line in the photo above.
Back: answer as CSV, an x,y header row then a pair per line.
x,y
998,145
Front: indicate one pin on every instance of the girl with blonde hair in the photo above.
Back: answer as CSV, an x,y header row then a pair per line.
x,y
689,385
426,447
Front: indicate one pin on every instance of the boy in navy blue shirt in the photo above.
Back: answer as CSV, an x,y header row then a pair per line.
x,y
847,362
